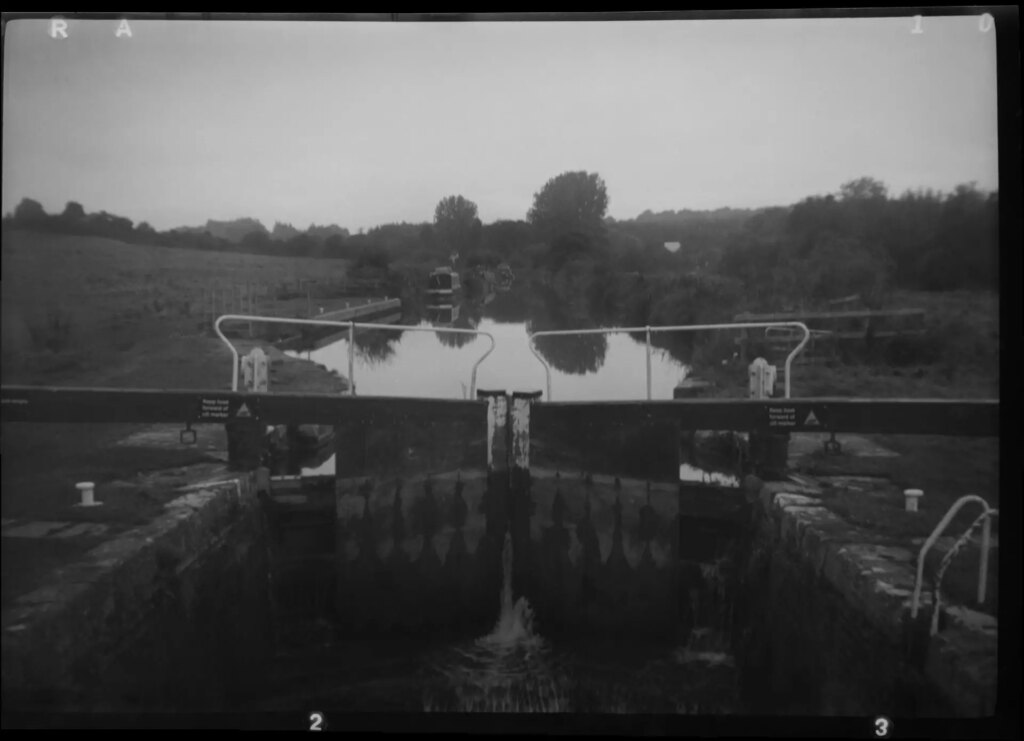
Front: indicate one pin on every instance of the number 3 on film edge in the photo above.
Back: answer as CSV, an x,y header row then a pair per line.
x,y
316,721
882,727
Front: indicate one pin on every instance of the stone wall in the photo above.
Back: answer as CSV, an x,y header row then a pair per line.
x,y
171,616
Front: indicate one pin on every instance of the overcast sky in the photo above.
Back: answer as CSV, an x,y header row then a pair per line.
x,y
366,123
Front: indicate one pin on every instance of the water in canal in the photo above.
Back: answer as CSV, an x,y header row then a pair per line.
x,y
514,668
430,364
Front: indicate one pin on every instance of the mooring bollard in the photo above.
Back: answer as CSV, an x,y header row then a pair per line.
x,y
87,490
911,498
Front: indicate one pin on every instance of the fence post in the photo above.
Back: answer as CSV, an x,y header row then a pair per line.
x,y
352,358
648,363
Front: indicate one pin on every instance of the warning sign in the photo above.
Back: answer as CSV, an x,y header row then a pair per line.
x,y
812,420
214,408
782,416
223,409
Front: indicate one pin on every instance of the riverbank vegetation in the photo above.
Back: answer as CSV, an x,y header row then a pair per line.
x,y
581,268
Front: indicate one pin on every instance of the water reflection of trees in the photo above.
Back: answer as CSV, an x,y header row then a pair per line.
x,y
376,346
679,345
577,354
456,340
509,307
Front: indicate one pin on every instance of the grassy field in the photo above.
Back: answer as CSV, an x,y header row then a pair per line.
x,y
75,305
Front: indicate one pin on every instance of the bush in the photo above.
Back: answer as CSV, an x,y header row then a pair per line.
x,y
909,350
484,258
373,258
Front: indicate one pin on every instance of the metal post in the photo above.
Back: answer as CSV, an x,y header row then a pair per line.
x,y
648,362
352,358
986,538
248,309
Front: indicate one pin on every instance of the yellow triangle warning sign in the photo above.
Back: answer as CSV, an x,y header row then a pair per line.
x,y
243,411
811,420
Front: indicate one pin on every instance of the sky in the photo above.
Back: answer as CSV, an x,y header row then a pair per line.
x,y
361,124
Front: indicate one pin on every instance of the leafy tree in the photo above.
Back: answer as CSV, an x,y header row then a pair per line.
x,y
456,223
144,232
73,212
302,245
29,210
863,188
568,248
258,242
506,238
334,246
571,202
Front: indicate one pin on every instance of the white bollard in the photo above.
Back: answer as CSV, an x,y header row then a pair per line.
x,y
255,371
87,489
911,497
762,379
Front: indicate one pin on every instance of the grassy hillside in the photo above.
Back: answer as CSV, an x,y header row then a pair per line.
x,y
70,301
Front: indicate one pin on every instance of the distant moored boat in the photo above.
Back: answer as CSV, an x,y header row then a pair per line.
x,y
443,281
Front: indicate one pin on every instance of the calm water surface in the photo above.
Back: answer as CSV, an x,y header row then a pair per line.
x,y
421,364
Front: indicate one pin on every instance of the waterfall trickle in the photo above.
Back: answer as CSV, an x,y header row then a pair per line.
x,y
514,628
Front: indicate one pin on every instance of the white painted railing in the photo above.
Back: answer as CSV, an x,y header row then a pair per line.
x,y
648,330
985,520
352,327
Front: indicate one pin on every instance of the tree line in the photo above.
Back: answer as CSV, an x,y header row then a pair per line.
x,y
859,239
241,235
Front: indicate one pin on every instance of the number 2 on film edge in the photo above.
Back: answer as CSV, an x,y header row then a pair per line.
x,y
316,721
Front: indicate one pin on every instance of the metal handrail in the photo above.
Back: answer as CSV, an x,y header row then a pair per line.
x,y
986,537
352,326
674,328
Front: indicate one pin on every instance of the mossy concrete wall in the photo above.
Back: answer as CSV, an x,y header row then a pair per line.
x,y
173,615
